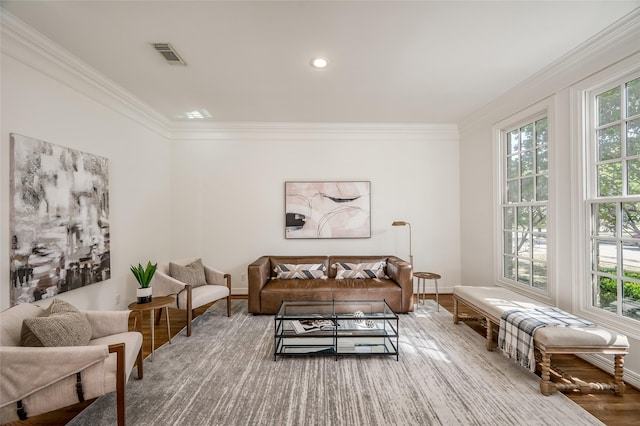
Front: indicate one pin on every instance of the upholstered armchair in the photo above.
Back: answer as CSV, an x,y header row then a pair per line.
x,y
192,284
39,379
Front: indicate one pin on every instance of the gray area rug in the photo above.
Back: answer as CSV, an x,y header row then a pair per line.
x,y
224,374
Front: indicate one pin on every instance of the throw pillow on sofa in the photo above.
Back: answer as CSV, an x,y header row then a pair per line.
x,y
359,270
301,271
192,274
61,325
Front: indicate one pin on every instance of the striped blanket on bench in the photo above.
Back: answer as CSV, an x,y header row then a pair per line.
x,y
518,326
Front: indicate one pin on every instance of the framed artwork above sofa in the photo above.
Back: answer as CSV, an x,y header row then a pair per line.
x,y
328,209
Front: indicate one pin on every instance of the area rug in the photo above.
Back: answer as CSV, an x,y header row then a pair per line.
x,y
225,374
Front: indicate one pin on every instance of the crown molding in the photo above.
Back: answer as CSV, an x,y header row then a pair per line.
x,y
610,46
313,131
31,48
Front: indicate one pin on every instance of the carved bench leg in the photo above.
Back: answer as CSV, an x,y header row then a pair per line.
x,y
546,386
455,311
489,335
618,373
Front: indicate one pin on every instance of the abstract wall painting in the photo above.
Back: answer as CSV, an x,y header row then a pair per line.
x,y
335,209
59,219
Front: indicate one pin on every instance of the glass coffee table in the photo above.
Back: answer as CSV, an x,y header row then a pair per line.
x,y
336,328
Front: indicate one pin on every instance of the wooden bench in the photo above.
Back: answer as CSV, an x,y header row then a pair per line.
x,y
491,302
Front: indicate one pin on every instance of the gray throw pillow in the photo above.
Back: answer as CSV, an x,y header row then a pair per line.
x,y
62,324
192,274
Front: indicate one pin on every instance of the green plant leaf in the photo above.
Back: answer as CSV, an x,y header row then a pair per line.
x,y
144,275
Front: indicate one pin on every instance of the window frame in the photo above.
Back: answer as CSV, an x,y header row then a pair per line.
x,y
500,130
583,160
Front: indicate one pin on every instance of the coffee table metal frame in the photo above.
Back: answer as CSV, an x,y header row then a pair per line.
x,y
374,330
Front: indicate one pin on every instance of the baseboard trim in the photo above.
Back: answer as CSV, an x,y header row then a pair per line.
x,y
240,291
240,296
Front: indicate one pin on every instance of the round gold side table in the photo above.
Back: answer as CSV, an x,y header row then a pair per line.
x,y
422,277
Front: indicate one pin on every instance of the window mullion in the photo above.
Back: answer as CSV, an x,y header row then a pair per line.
x,y
619,266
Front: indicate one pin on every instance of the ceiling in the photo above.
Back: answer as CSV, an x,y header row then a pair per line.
x,y
389,61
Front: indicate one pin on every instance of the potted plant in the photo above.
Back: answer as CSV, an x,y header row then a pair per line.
x,y
144,276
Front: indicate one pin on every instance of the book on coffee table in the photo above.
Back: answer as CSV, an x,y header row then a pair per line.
x,y
307,326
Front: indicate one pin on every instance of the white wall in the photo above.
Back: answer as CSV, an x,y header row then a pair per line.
x,y
218,192
36,105
477,165
228,193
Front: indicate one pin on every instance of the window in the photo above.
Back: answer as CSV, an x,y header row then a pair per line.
x,y
525,202
613,199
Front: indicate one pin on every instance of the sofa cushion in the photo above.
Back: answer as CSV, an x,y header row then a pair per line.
x,y
61,325
359,270
292,286
301,271
11,322
276,291
201,295
191,274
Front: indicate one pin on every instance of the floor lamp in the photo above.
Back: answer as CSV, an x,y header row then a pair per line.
x,y
403,223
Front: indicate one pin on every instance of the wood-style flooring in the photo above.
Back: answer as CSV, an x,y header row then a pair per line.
x,y
610,409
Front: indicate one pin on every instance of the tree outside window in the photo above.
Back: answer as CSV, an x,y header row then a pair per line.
x,y
525,196
615,204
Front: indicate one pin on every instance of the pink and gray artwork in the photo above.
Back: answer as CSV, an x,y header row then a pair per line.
x,y
328,209
59,219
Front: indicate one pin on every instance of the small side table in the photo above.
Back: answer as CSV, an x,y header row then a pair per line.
x,y
422,277
156,303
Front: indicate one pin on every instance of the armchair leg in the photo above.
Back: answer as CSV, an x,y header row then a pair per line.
x,y
158,316
138,327
189,309
120,380
228,278
139,364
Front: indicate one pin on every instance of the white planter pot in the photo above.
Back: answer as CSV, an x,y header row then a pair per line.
x,y
144,295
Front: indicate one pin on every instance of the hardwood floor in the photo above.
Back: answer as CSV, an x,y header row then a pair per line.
x,y
610,409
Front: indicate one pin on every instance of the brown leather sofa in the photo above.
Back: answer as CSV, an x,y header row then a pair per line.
x,y
266,292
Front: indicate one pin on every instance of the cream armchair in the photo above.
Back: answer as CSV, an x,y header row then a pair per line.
x,y
188,296
37,380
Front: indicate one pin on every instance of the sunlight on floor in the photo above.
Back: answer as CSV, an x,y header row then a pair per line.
x,y
415,342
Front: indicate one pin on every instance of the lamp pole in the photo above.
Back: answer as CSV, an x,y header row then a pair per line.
x,y
403,223
410,250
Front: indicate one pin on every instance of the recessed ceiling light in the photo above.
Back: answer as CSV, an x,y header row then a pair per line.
x,y
319,62
203,113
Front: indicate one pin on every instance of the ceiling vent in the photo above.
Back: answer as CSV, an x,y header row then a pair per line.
x,y
169,53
